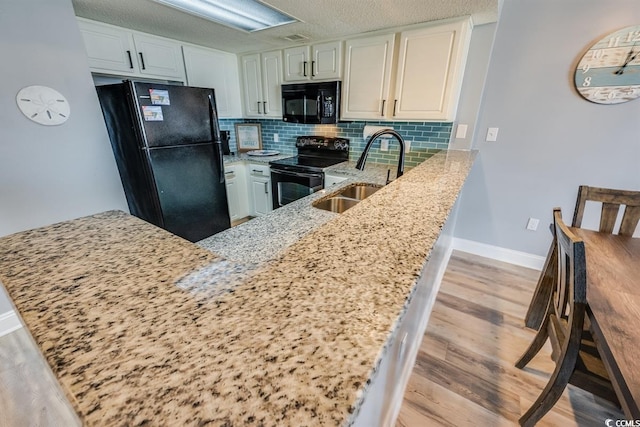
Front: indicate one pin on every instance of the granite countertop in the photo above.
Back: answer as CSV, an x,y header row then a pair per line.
x,y
128,317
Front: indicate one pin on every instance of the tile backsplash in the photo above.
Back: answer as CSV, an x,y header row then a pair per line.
x,y
427,138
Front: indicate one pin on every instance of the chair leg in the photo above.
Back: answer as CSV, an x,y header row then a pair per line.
x,y
551,393
536,344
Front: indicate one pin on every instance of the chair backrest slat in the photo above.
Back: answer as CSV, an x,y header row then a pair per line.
x,y
612,201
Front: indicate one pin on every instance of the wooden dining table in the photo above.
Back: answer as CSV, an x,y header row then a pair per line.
x,y
613,309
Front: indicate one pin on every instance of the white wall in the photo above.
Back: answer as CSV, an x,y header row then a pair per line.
x,y
475,74
50,173
551,140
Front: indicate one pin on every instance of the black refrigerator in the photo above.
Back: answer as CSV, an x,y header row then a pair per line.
x,y
166,142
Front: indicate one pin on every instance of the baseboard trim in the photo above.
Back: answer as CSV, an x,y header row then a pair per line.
x,y
9,322
523,259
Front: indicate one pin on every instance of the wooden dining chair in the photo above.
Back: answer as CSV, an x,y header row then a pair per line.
x,y
573,351
612,202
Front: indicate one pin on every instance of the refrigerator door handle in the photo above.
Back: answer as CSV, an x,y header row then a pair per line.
x,y
215,133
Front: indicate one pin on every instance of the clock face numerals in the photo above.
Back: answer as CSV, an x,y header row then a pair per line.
x,y
43,105
609,73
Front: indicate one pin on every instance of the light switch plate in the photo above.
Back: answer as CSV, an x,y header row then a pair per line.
x,y
461,132
492,134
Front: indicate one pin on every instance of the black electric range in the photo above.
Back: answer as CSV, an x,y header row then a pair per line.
x,y
315,153
295,177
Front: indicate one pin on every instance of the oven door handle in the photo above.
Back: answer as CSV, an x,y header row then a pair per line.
x,y
301,174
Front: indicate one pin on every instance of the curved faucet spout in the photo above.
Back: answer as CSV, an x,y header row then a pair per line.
x,y
363,157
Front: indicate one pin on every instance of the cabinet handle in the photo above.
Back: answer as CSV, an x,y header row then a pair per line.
x,y
382,109
264,107
256,171
259,108
142,60
266,189
130,59
304,68
313,63
395,102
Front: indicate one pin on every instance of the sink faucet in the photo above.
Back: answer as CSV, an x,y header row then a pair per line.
x,y
363,157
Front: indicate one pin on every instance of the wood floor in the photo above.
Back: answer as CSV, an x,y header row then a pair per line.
x,y
464,374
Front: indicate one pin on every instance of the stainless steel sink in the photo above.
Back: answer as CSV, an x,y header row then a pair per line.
x,y
336,204
359,191
346,198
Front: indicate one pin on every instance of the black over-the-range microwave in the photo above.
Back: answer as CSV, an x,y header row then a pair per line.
x,y
315,103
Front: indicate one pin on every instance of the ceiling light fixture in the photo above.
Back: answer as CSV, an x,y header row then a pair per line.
x,y
246,15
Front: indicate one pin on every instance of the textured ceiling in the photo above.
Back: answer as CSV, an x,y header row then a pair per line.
x,y
321,19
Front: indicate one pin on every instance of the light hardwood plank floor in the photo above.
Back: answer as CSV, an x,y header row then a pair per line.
x,y
464,373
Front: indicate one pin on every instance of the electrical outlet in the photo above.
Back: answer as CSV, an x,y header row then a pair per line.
x,y
532,224
276,137
407,146
384,144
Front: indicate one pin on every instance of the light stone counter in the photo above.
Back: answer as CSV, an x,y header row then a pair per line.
x,y
129,319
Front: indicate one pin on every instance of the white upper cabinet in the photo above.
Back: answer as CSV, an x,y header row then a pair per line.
x,y
367,77
430,69
425,78
261,81
317,62
115,50
218,70
158,56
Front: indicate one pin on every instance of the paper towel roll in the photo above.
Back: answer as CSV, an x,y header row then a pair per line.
x,y
370,130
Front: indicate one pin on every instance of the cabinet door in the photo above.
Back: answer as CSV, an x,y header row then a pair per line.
x,y
261,192
159,57
271,84
367,77
252,85
429,73
296,64
218,70
326,61
108,48
233,199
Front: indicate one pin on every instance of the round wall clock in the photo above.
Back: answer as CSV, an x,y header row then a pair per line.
x,y
609,73
43,105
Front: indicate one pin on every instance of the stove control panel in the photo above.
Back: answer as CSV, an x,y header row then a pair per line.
x,y
323,143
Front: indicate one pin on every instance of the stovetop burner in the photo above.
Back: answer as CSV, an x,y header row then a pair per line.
x,y
309,162
315,153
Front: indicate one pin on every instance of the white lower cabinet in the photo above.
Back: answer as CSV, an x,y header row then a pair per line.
x,y
237,195
260,189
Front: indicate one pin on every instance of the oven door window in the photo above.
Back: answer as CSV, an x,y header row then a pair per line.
x,y
291,191
291,186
